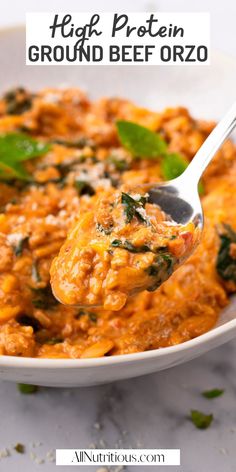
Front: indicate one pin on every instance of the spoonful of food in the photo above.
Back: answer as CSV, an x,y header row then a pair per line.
x,y
135,237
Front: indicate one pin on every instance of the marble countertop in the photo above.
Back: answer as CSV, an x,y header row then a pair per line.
x,y
146,412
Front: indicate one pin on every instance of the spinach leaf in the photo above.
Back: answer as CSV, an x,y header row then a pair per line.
x,y
129,246
225,262
53,341
84,187
160,270
120,164
35,272
201,420
139,140
26,320
16,148
44,298
18,101
22,244
132,207
92,316
161,261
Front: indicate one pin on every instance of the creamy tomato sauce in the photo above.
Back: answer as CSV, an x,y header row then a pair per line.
x,y
121,247
85,164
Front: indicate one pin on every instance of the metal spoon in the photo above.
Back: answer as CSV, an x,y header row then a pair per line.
x,y
179,197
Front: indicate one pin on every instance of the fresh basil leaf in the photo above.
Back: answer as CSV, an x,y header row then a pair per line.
x,y
201,189
201,420
214,393
225,263
139,140
9,172
173,165
16,148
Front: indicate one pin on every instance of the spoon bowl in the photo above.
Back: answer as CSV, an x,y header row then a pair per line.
x,y
173,198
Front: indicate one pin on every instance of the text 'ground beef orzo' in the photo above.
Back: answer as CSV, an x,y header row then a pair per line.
x,y
73,158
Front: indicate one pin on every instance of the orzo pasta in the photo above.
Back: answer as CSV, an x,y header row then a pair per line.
x,y
81,162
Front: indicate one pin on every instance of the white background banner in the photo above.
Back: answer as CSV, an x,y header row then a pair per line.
x,y
118,457
116,38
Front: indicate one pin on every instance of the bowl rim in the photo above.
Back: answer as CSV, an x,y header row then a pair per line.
x,y
58,363
35,362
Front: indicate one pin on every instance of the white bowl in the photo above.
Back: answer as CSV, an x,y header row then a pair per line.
x,y
207,91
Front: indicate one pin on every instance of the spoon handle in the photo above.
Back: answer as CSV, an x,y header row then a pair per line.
x,y
208,149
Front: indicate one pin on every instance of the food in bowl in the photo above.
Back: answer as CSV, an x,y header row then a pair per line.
x,y
120,247
61,154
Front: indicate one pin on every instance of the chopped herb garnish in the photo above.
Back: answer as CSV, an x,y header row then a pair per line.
x,y
214,393
133,207
226,263
16,148
140,141
84,188
129,246
20,448
53,341
201,420
27,389
21,245
26,320
44,298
